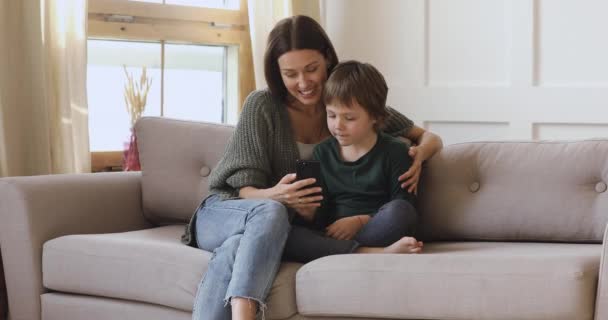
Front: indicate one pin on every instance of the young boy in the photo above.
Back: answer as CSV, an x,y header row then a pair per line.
x,y
360,166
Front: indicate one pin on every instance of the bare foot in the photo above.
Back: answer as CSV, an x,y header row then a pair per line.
x,y
405,245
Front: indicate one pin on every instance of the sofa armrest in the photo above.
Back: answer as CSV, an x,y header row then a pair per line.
x,y
36,209
601,299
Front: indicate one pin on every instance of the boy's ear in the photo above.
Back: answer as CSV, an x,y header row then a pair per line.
x,y
379,122
377,119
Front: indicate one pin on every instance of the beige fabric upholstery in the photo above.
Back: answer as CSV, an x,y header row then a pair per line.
x,y
3,296
301,317
471,191
36,209
150,266
59,306
531,191
281,300
601,305
458,280
173,186
540,191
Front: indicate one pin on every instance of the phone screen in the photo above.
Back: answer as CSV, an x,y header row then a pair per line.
x,y
308,169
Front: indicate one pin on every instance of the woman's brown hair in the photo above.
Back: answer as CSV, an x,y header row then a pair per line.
x,y
294,33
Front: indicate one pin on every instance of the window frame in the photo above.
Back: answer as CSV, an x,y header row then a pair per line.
x,y
172,24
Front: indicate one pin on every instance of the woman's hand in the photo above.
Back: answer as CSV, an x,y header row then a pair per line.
x,y
411,177
296,195
427,144
345,228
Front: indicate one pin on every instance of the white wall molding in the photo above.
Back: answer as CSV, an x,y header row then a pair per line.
x,y
518,69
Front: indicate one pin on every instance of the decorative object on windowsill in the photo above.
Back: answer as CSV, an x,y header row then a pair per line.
x,y
135,100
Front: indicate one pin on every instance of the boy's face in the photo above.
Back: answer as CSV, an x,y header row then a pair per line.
x,y
350,125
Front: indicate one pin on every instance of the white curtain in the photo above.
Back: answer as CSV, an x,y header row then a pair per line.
x,y
263,15
43,107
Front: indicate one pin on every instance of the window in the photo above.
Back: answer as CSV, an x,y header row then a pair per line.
x,y
225,4
196,53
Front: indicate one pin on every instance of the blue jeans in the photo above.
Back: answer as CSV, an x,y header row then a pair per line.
x,y
247,238
394,220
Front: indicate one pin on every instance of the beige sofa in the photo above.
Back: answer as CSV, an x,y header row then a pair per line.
x,y
514,231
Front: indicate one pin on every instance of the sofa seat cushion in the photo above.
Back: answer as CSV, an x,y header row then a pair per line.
x,y
458,280
149,266
61,306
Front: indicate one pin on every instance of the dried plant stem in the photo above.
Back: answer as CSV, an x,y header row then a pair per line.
x,y
136,94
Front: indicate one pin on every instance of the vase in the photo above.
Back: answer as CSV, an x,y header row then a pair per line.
x,y
130,160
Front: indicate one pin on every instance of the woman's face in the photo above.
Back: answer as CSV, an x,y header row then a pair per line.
x,y
304,73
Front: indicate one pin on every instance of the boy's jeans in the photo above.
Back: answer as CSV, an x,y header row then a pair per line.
x,y
394,220
247,239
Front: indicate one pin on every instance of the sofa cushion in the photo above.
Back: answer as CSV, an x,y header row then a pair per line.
x,y
176,159
61,306
459,280
515,191
149,266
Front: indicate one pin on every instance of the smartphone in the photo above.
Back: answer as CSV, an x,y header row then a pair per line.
x,y
309,169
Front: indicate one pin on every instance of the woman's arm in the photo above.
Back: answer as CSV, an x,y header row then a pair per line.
x,y
398,125
293,194
245,161
426,142
426,145
254,193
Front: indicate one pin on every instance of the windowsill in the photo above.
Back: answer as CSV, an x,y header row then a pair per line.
x,y
106,161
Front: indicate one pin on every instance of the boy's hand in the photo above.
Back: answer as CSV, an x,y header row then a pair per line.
x,y
345,228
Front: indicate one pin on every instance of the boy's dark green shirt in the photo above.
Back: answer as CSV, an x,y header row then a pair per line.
x,y
363,186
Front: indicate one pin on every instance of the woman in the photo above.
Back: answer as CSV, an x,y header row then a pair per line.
x,y
245,219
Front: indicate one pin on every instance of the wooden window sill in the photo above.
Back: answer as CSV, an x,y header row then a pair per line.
x,y
105,161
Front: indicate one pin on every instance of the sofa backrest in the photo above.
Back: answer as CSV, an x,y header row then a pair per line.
x,y
520,191
176,159
536,191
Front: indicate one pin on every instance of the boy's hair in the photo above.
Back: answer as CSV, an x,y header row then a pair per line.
x,y
361,82
294,33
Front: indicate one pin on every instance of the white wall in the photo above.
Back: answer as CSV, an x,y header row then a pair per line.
x,y
484,69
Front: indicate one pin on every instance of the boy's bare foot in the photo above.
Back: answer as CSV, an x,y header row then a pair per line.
x,y
405,245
